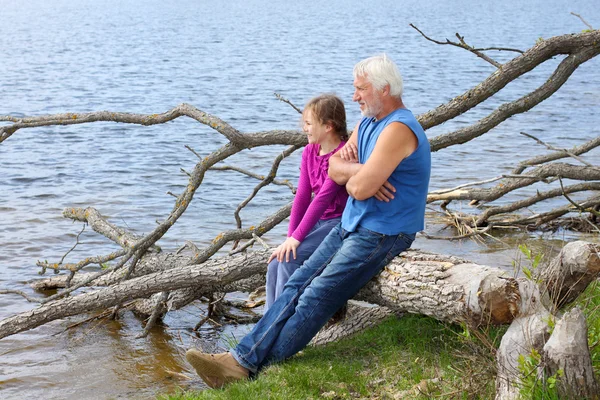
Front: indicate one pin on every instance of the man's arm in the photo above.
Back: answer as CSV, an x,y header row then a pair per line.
x,y
340,169
394,144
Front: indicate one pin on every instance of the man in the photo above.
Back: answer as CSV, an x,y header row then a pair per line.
x,y
385,166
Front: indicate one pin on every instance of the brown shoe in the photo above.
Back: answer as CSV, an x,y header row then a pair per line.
x,y
216,370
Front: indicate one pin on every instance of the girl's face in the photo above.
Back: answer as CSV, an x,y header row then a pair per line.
x,y
315,130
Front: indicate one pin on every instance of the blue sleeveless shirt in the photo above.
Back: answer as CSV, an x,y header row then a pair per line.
x,y
406,212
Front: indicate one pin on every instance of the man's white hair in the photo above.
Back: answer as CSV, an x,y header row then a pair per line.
x,y
380,71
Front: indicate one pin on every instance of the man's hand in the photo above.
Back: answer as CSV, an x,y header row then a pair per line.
x,y
349,152
284,249
385,192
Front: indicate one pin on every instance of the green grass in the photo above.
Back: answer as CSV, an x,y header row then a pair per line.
x,y
378,363
393,361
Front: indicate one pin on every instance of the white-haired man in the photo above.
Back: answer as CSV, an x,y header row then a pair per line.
x,y
386,167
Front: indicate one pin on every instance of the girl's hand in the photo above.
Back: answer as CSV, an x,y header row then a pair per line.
x,y
284,249
349,152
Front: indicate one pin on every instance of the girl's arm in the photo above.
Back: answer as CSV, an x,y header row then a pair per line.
x,y
316,209
299,207
303,195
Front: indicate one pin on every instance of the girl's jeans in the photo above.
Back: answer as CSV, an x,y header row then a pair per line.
x,y
335,272
278,273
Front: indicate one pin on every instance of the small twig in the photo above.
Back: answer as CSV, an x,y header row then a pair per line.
x,y
442,191
67,253
268,179
89,279
89,260
185,172
161,304
172,194
466,235
262,242
577,150
478,53
582,20
535,178
101,315
463,45
281,98
284,182
20,293
250,243
189,245
592,224
578,206
567,152
193,151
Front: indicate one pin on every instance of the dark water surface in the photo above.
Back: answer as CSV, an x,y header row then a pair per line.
x,y
227,58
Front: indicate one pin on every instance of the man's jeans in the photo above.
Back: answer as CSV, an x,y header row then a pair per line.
x,y
336,271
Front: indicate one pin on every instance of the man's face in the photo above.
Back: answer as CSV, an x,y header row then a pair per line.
x,y
368,98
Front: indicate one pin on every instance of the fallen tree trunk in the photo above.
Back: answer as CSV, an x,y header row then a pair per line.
x,y
447,288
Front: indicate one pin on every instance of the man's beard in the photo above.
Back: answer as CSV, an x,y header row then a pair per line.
x,y
373,109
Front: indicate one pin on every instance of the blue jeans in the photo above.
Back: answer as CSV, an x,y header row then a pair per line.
x,y
278,273
335,272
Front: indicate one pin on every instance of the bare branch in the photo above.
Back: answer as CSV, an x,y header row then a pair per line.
x,y
262,242
89,279
442,191
236,234
20,293
161,305
185,172
463,45
243,248
75,245
99,224
142,119
483,218
540,173
525,103
541,218
582,20
479,54
253,175
90,260
567,152
577,150
466,235
193,151
579,207
281,98
268,179
546,49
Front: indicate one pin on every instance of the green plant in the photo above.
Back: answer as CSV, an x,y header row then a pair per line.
x,y
532,386
534,262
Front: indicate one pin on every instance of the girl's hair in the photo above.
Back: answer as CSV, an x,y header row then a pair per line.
x,y
329,109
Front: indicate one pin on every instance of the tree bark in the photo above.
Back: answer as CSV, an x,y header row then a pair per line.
x,y
567,350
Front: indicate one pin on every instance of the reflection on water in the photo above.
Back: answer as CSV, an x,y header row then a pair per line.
x,y
227,58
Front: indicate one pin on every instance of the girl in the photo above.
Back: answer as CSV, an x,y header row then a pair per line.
x,y
324,121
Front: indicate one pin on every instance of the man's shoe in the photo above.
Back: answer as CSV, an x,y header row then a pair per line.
x,y
216,370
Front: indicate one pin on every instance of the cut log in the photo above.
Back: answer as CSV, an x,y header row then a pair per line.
x,y
570,273
567,350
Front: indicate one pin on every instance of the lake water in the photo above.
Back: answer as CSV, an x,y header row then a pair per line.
x,y
228,58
